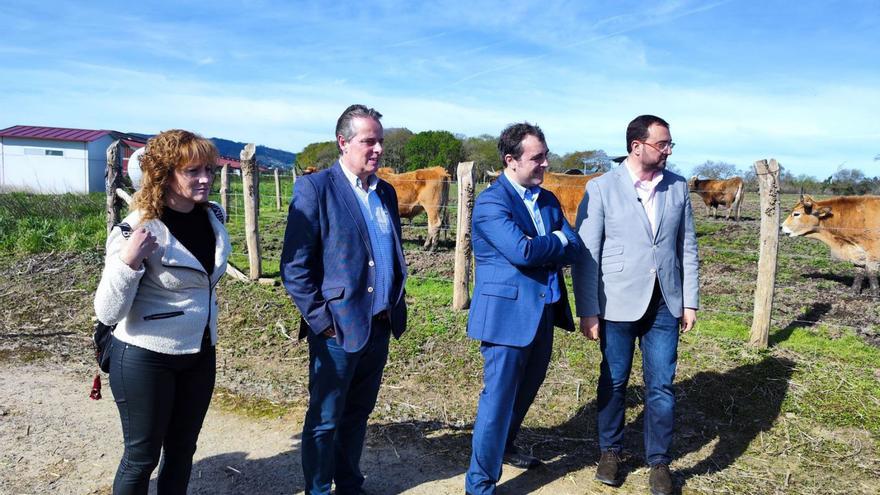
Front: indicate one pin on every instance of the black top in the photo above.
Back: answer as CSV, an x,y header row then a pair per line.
x,y
194,231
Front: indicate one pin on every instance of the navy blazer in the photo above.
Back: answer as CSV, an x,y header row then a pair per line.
x,y
327,259
514,263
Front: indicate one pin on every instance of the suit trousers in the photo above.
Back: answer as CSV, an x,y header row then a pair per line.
x,y
657,332
343,387
511,379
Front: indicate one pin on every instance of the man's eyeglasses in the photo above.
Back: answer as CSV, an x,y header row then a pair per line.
x,y
662,147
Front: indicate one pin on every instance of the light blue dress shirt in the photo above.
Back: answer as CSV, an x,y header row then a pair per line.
x,y
381,238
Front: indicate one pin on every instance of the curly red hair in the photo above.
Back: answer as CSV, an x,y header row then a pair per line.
x,y
167,151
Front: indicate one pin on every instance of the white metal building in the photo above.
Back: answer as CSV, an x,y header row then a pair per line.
x,y
54,160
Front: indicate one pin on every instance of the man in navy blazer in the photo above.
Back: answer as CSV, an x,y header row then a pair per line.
x,y
638,281
521,241
343,265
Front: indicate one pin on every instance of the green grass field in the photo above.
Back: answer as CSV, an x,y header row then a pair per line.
x,y
799,417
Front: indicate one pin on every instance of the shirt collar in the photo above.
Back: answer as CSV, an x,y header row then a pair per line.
x,y
521,191
647,185
355,181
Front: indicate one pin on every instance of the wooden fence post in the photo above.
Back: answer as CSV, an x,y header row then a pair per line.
x,y
277,191
112,181
224,188
462,278
250,175
768,182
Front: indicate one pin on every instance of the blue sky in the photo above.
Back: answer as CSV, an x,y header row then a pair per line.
x,y
737,80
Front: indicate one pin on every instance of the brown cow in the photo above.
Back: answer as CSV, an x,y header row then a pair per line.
x,y
715,192
848,225
568,189
427,190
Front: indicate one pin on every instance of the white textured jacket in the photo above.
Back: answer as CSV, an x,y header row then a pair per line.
x,y
166,305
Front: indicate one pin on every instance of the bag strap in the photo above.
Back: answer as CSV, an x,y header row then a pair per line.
x,y
125,228
218,212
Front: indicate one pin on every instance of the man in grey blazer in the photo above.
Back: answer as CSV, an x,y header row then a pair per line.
x,y
639,280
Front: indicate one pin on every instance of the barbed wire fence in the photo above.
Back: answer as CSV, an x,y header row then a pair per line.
x,y
749,263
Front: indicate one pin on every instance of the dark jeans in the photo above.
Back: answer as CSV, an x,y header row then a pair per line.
x,y
162,401
343,387
511,379
657,332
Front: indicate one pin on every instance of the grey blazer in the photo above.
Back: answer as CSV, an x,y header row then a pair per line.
x,y
615,279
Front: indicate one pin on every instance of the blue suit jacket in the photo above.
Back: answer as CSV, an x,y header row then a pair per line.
x,y
326,260
616,278
513,265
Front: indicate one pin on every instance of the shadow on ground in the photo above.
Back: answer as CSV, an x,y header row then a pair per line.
x,y
728,409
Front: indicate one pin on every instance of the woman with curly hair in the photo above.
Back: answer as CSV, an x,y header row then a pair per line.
x,y
162,264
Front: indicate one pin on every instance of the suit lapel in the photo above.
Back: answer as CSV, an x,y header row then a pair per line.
x,y
624,181
343,191
521,215
660,194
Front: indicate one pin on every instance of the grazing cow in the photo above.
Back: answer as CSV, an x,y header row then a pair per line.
x,y
848,225
715,192
569,190
427,190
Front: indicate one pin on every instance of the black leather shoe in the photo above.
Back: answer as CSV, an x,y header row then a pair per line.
x,y
609,468
660,480
521,460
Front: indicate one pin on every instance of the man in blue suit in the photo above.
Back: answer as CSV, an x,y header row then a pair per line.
x,y
639,280
343,265
521,241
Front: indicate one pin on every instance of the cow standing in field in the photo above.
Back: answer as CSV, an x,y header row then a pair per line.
x,y
427,190
715,192
848,225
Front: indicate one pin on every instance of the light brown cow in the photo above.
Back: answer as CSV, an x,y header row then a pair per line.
x,y
568,189
848,225
715,192
427,190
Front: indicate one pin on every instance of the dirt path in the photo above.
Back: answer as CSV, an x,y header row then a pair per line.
x,y
56,440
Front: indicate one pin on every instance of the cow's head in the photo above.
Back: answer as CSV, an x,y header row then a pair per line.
x,y
805,217
692,184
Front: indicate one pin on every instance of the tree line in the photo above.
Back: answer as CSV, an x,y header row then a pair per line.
x,y
845,181
406,151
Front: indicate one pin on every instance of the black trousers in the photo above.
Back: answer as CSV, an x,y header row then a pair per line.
x,y
162,401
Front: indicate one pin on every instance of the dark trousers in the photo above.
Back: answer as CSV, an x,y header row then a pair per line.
x,y
657,333
162,401
343,387
511,379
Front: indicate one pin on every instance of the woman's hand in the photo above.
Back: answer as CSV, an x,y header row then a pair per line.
x,y
139,246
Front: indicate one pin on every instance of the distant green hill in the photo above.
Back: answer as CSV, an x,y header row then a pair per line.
x,y
267,157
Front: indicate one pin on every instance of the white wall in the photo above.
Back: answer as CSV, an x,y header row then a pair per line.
x,y
97,150
26,166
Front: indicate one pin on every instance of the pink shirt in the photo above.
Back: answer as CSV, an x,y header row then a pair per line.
x,y
645,191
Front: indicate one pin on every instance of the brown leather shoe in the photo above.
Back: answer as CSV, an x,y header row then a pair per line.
x,y
609,468
660,480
